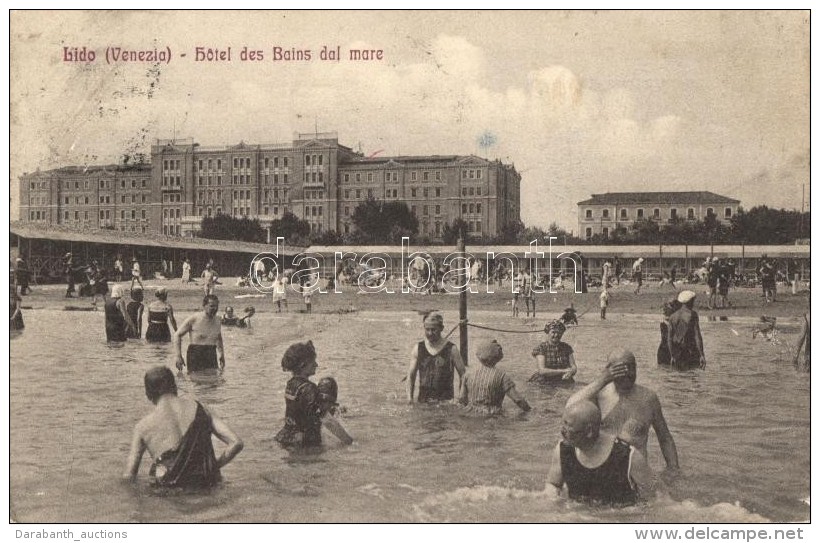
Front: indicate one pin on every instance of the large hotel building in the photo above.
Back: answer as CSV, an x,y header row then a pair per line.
x,y
313,177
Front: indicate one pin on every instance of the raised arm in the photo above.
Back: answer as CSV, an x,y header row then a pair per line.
x,y
606,376
665,439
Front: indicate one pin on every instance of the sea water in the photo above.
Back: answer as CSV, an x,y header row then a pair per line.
x,y
741,427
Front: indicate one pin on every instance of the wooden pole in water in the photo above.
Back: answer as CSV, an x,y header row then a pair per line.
x,y
462,302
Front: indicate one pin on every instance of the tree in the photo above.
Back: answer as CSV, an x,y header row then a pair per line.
x,y
230,228
451,232
761,225
384,222
295,230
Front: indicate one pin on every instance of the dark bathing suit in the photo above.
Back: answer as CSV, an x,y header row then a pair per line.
x,y
133,310
17,322
303,414
192,463
664,358
114,321
607,484
158,330
435,374
201,358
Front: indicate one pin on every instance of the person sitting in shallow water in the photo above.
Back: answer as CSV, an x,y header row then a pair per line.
x,y
484,386
230,319
306,407
554,358
177,435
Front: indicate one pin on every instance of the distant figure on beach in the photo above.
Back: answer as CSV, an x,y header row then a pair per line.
x,y
570,316
22,275
628,409
526,291
280,293
604,301
177,435
205,350
307,295
136,273
434,359
186,271
554,359
15,312
160,315
669,277
516,291
484,385
118,323
210,279
229,318
606,274
685,340
135,310
618,270
68,271
118,269
597,467
768,276
307,408
637,274
805,339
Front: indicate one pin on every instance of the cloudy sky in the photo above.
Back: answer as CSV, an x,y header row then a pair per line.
x,y
579,101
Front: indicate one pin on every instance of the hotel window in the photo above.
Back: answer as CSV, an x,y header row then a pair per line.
x,y
412,193
266,210
464,174
358,193
346,178
426,192
605,232
347,194
464,191
463,209
640,213
605,213
673,213
471,174
710,212
623,213
66,200
588,214
65,215
656,213
426,210
438,193
478,208
370,193
588,233
472,208
438,178
321,178
727,212
369,177
690,213
413,176
358,178
320,160
438,210
285,179
285,165
143,213
219,164
478,176
478,223
471,191
425,176
347,211
307,160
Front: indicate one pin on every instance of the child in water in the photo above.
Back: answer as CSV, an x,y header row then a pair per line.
x,y
484,386
306,409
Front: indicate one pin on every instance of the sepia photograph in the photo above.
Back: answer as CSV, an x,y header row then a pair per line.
x,y
410,267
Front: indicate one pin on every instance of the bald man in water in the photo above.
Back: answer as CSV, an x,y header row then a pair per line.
x,y
596,466
628,410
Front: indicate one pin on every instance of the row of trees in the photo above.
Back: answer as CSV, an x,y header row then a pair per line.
x,y
385,223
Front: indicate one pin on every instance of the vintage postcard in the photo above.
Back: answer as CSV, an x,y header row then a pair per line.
x,y
409,267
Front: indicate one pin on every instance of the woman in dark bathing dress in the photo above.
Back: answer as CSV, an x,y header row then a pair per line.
x,y
160,315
